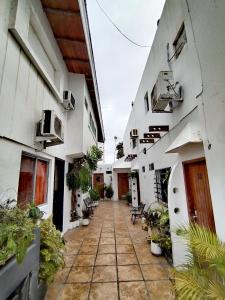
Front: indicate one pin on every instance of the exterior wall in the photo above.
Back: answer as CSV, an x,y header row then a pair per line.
x,y
103,168
200,70
32,79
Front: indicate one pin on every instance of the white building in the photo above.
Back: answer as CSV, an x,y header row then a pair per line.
x,y
45,50
187,142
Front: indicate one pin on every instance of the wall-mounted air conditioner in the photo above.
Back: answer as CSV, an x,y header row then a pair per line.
x,y
165,93
50,129
68,100
134,133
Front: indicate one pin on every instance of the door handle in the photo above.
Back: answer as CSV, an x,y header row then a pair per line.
x,y
195,216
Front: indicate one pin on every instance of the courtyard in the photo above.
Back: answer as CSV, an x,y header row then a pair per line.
x,y
111,259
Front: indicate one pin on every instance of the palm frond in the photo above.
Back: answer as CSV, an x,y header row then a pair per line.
x,y
191,284
216,291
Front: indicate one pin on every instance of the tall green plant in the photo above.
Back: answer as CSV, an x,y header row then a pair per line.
x,y
93,155
85,178
16,233
203,277
51,254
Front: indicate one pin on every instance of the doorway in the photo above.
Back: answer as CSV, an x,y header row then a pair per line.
x,y
198,193
98,183
58,196
123,185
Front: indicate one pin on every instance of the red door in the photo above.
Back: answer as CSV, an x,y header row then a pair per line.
x,y
198,193
123,185
98,183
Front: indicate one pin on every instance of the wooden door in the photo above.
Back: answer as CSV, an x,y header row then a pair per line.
x,y
198,193
123,185
98,183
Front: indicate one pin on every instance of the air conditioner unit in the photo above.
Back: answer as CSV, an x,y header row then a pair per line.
x,y
68,100
51,126
134,133
165,92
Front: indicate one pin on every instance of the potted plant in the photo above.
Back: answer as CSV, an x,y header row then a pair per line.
x,y
94,195
129,198
86,215
108,191
155,241
35,213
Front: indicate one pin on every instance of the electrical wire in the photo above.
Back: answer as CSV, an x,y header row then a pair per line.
x,y
119,30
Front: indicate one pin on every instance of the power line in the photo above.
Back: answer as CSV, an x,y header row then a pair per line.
x,y
119,30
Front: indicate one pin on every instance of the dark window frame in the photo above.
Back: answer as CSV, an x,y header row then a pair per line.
x,y
146,100
161,184
180,41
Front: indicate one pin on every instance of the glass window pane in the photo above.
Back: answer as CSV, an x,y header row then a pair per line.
x,y
41,182
26,181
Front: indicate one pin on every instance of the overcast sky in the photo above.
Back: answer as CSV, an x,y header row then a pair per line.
x,y
119,63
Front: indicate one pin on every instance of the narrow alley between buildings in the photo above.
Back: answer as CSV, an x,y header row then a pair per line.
x,y
111,259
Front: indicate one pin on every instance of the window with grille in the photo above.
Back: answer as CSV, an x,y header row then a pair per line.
x,y
33,181
161,184
180,41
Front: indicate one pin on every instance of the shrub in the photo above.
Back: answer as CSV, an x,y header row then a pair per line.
x,y
94,195
16,233
51,254
109,191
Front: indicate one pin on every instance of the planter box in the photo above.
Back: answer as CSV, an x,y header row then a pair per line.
x,y
20,281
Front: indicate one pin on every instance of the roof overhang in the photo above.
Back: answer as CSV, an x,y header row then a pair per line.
x,y
190,134
121,164
69,22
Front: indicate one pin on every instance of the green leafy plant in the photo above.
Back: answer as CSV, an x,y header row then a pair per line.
x,y
51,252
129,198
73,180
94,195
85,178
16,233
34,212
155,237
108,191
203,276
93,155
120,152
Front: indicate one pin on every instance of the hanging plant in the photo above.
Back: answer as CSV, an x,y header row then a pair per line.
x,y
73,180
93,156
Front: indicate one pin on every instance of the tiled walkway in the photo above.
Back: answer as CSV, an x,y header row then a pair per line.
x,y
109,260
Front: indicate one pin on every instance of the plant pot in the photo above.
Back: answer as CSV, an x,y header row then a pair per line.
x,y
85,222
143,220
156,249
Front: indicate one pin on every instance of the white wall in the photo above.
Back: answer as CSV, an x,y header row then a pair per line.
x,y
200,69
33,76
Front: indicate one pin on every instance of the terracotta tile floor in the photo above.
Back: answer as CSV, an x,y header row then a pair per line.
x,y
110,260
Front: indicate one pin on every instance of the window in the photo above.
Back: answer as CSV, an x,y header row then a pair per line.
x,y
86,104
33,181
146,102
161,184
143,169
92,125
134,143
180,41
108,172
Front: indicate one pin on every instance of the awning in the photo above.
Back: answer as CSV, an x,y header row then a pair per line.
x,y
121,164
189,135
